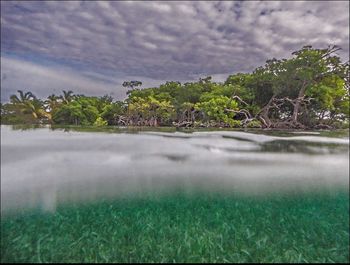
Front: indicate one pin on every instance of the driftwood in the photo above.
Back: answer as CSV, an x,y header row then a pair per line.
x,y
323,127
183,124
246,113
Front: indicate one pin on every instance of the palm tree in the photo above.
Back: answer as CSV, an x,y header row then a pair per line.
x,y
21,102
67,96
23,97
36,108
27,103
52,102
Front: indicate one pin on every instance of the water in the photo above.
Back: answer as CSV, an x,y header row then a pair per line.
x,y
43,168
144,195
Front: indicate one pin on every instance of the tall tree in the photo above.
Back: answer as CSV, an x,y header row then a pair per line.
x,y
67,96
131,84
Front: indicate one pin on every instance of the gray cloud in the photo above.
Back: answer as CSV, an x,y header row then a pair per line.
x,y
170,40
45,80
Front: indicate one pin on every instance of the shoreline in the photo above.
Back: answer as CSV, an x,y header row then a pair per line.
x,y
335,132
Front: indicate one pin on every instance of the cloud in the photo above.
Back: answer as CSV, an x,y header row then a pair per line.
x,y
44,80
170,40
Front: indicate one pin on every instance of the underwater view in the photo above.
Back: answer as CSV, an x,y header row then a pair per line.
x,y
78,194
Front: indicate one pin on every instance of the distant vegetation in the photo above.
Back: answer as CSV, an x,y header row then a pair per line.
x,y
309,90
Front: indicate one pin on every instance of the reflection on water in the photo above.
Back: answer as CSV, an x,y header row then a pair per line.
x,y
43,167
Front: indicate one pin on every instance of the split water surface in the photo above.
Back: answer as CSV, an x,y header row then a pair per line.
x,y
145,195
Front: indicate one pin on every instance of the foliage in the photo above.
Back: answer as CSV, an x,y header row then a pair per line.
x,y
25,108
151,108
100,122
111,112
80,111
132,84
254,124
309,89
216,108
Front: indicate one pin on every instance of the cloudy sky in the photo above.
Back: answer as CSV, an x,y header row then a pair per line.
x,y
92,47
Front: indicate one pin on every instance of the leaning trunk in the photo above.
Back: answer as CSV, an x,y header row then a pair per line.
x,y
297,103
264,114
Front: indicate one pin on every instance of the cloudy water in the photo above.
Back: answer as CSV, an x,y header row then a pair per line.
x,y
42,168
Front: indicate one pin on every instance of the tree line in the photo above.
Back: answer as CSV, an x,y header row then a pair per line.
x,y
309,90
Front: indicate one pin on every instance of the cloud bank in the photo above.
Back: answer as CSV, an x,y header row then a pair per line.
x,y
156,41
44,80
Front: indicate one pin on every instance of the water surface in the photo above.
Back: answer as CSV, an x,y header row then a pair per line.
x,y
43,168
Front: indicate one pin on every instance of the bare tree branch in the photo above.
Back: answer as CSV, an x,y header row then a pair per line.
x,y
240,100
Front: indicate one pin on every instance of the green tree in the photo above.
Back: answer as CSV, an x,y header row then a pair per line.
x,y
28,107
219,109
113,113
67,96
80,111
131,84
150,111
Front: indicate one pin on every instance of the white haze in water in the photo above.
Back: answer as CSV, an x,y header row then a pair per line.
x,y
41,168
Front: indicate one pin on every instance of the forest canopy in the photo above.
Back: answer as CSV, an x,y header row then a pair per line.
x,y
309,90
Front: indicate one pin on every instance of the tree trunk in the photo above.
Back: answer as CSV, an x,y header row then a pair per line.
x,y
297,103
264,114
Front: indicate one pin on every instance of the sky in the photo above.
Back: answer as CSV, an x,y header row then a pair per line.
x,y
92,47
